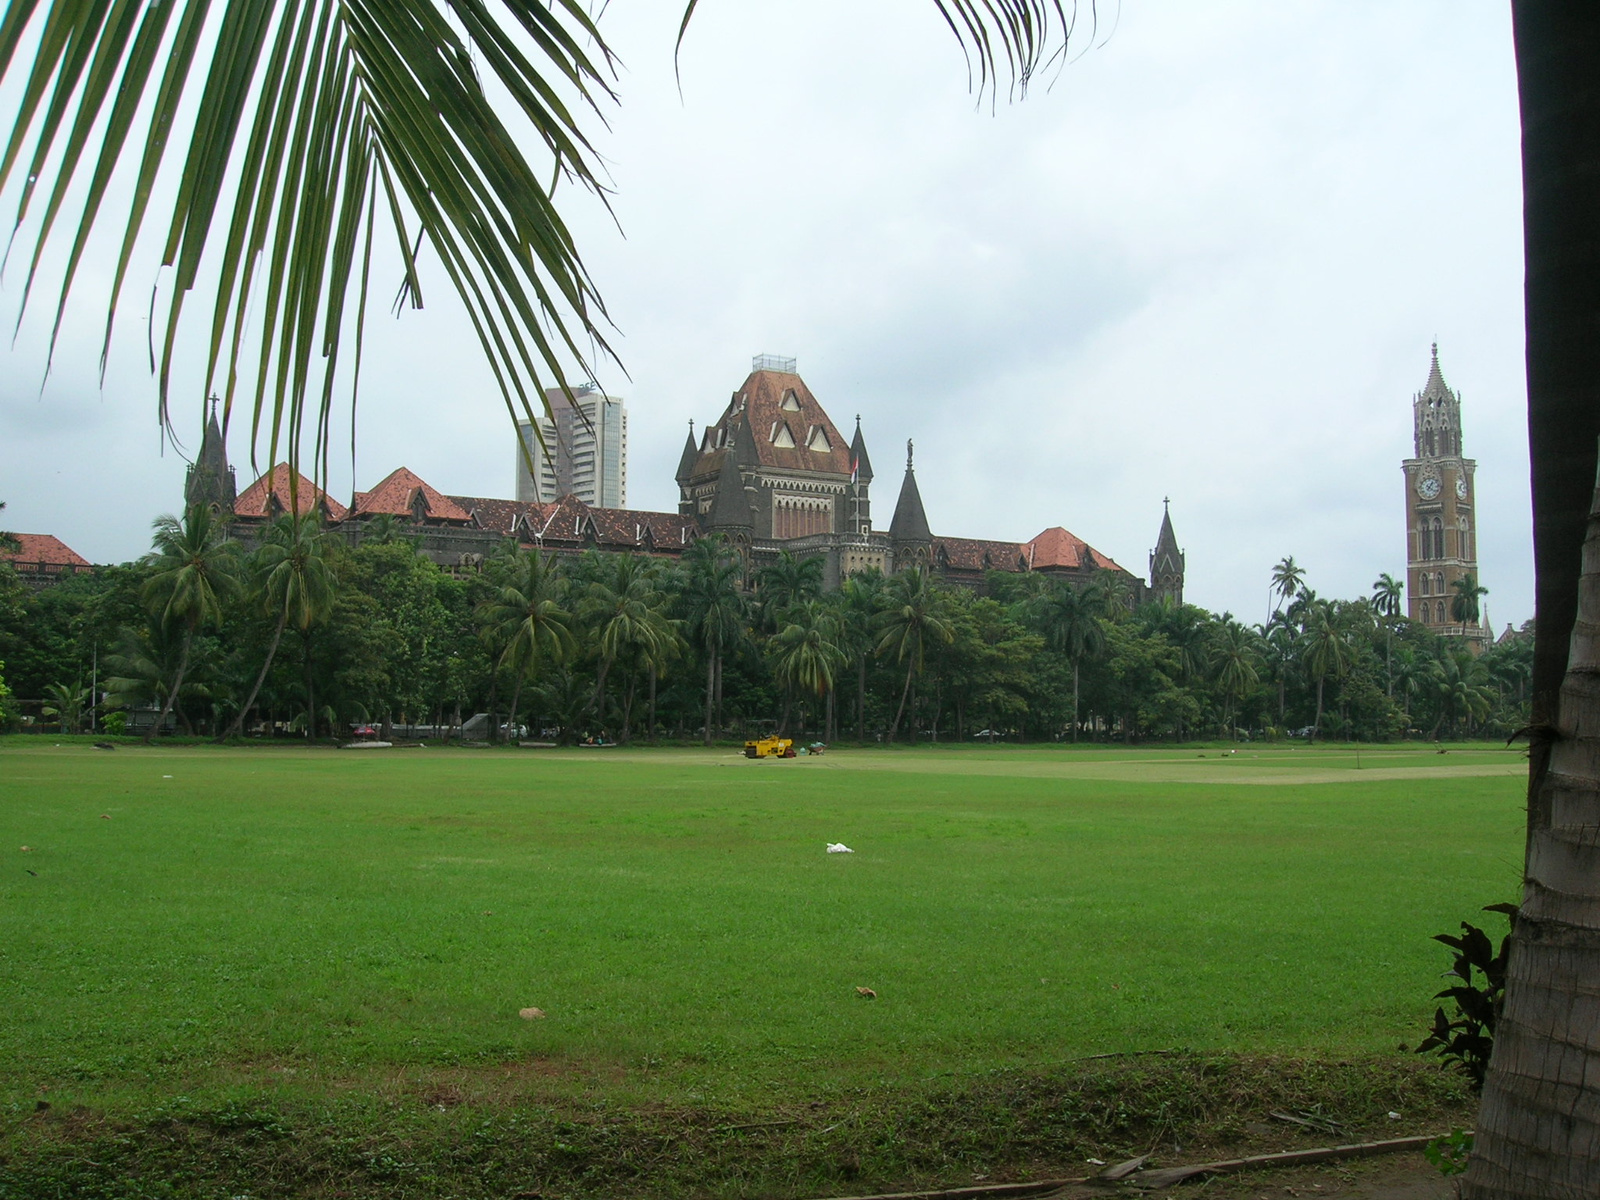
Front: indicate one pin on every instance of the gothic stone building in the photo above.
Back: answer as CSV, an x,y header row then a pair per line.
x,y
1441,538
773,473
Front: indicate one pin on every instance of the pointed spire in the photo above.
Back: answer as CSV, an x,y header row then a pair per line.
x,y
731,508
858,455
744,442
691,453
1435,388
910,522
210,479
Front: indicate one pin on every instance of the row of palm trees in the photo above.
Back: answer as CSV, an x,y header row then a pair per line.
x,y
606,645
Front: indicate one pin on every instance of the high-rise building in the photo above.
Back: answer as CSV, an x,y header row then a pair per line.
x,y
1441,537
584,451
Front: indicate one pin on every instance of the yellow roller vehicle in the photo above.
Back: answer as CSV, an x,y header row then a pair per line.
x,y
770,747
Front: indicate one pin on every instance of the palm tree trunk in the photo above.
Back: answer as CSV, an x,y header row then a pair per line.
x,y
172,696
652,734
1074,699
894,726
721,720
861,700
516,700
1316,725
311,696
272,650
711,687
1538,1129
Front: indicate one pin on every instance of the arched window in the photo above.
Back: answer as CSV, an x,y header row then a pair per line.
x,y
1439,609
1426,581
1438,539
1424,541
1438,583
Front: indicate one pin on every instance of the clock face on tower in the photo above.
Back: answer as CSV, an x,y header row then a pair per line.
x,y
1461,487
1428,487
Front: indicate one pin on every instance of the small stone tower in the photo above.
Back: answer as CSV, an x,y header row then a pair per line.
x,y
1166,562
860,482
910,539
209,480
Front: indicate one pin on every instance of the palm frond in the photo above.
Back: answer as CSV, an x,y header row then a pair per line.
x,y
315,124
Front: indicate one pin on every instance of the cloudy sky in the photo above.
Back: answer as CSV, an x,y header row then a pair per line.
x,y
1203,261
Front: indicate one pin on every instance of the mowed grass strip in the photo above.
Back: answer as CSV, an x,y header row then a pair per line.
x,y
197,913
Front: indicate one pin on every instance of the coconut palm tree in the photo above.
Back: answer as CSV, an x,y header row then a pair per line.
x,y
805,654
525,619
1069,619
1324,651
1288,577
786,582
914,614
626,609
1233,659
9,542
714,609
860,599
1386,593
193,571
1464,604
66,702
1455,682
292,582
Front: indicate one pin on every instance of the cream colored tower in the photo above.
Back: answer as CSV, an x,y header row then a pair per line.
x,y
1441,512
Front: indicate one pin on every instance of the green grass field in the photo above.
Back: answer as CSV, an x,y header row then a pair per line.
x,y
302,924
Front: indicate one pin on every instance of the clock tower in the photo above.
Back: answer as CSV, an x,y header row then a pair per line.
x,y
1441,528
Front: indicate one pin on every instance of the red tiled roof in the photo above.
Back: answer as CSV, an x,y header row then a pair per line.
x,y
977,554
396,495
569,521
760,401
501,516
44,548
1056,547
255,500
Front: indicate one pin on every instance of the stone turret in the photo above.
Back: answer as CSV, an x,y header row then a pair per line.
x,y
909,536
686,461
1166,562
730,511
860,483
209,480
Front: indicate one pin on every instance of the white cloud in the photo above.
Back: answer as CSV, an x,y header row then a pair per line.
x,y
1204,260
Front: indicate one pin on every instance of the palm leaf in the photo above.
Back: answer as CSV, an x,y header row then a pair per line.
x,y
314,125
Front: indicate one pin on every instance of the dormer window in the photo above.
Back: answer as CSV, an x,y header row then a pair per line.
x,y
819,440
781,437
790,402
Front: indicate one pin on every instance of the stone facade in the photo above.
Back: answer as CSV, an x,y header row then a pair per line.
x,y
772,474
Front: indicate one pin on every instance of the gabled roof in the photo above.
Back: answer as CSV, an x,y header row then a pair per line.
x,y
256,501
43,548
497,516
1056,547
397,495
758,406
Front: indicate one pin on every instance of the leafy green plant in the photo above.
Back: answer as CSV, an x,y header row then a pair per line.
x,y
1450,1152
1468,1039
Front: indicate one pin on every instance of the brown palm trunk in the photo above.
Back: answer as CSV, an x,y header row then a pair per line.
x,y
711,687
861,700
172,696
894,726
1538,1132
272,650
